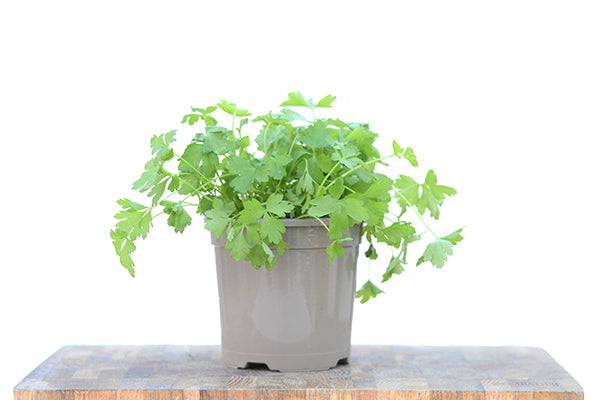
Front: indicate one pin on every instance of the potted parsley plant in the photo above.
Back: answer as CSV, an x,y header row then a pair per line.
x,y
286,212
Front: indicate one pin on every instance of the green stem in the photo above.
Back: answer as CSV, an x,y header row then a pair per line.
x,y
317,218
359,167
154,216
325,179
233,127
265,138
293,143
412,207
192,167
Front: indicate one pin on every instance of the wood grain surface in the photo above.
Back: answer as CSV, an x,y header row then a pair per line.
x,y
374,372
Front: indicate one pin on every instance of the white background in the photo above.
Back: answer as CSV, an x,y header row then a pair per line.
x,y
501,99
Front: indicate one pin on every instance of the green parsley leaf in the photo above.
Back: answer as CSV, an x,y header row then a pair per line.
x,y
322,206
217,140
191,158
252,212
230,108
160,145
291,115
190,118
408,192
244,171
355,209
335,249
178,217
218,217
272,229
437,252
432,195
134,219
368,291
337,189
410,156
316,135
305,183
326,101
371,253
277,206
394,267
295,99
124,247
454,237
395,233
237,244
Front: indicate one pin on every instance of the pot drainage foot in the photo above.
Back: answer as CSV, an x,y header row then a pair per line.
x,y
342,361
256,366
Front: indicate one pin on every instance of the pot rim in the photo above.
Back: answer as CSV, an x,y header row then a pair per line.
x,y
299,222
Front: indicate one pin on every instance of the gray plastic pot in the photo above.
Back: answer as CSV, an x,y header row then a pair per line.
x,y
297,317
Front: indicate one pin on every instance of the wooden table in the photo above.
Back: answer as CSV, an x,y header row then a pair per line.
x,y
374,372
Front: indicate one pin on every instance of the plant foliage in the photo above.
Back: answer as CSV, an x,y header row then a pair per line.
x,y
299,166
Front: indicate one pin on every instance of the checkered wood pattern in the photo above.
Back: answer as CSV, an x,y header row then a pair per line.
x,y
374,372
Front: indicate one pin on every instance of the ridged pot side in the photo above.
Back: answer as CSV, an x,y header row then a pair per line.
x,y
297,317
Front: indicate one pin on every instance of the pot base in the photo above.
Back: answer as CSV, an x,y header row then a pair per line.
x,y
286,363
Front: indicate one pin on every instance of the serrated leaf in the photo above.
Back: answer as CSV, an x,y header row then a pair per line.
x,y
124,247
179,218
173,184
231,108
326,101
218,217
368,291
257,257
380,190
191,119
410,156
395,233
149,177
158,190
437,252
295,99
243,122
335,249
394,267
244,171
305,183
191,158
272,229
337,189
252,212
408,190
454,237
371,252
217,141
282,247
237,244
355,209
432,195
188,183
339,224
322,206
396,148
276,165
291,115
160,145
134,219
316,135
277,206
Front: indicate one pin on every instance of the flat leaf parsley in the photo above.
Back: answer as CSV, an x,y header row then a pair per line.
x,y
297,166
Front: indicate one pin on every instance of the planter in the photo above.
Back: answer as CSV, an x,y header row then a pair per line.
x,y
298,316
